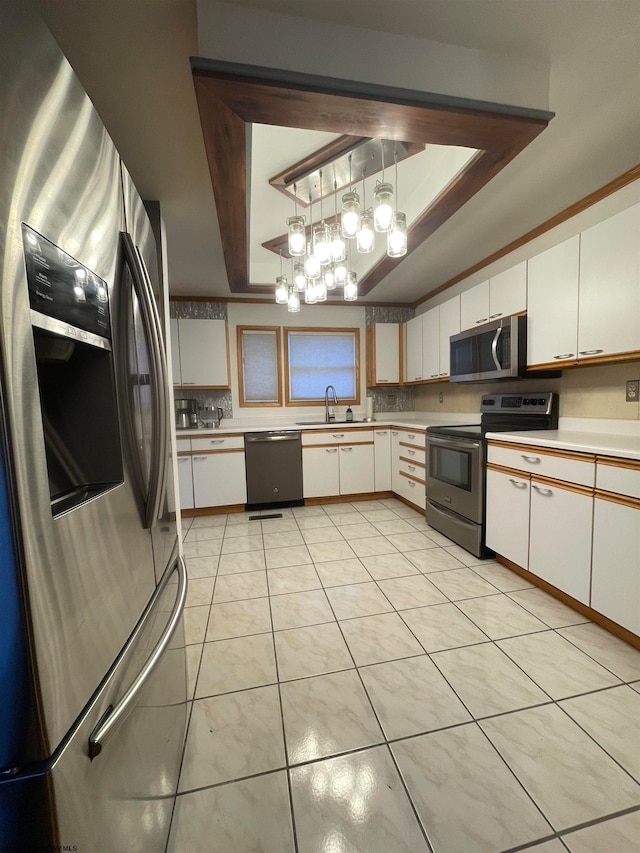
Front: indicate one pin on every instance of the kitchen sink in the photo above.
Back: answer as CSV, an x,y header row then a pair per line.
x,y
325,423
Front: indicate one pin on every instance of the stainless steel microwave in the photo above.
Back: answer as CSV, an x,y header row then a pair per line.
x,y
492,351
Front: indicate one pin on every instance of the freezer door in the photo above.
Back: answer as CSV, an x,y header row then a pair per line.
x,y
87,574
123,797
144,264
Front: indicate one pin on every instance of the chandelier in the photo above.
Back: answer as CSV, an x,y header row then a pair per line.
x,y
321,252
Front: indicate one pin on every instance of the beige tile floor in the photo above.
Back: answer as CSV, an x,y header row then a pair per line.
x,y
359,684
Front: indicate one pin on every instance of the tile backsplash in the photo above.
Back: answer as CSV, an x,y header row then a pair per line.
x,y
197,310
596,391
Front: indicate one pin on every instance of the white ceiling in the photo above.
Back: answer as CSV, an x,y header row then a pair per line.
x,y
132,58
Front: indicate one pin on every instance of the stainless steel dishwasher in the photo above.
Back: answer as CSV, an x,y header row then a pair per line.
x,y
274,468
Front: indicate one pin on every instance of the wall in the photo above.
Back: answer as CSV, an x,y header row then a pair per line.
x,y
585,392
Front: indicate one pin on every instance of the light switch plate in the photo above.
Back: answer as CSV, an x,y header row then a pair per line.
x,y
633,390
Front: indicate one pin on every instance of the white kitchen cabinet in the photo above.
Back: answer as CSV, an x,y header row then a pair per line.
x,y
449,325
202,359
431,343
609,306
508,292
615,586
413,353
474,306
185,482
176,370
219,479
396,480
560,538
382,460
356,469
507,516
383,354
320,472
552,304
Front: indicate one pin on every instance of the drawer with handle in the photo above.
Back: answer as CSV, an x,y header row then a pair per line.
x,y
215,442
559,465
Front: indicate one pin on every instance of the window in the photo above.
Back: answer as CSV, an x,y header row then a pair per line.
x,y
320,357
259,366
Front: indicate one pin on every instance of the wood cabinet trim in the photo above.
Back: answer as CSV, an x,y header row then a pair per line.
x,y
585,361
412,461
584,609
337,444
410,477
217,435
618,462
562,484
615,498
544,451
512,472
201,387
213,452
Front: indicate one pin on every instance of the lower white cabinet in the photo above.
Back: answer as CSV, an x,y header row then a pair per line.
x,y
185,482
615,585
320,471
560,538
396,479
219,479
508,516
382,460
340,470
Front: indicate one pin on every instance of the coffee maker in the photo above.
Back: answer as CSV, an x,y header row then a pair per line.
x,y
186,414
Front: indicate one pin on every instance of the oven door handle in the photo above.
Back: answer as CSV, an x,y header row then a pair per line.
x,y
453,443
494,348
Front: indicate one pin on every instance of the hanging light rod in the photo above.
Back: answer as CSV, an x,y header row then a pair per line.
x,y
299,180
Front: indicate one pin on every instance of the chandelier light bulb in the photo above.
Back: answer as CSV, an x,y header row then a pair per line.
x,y
366,238
311,264
351,288
340,274
329,278
383,207
397,237
299,278
296,236
350,214
293,300
321,291
321,243
310,297
282,291
338,247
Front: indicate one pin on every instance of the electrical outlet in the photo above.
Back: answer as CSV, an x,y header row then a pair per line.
x,y
633,390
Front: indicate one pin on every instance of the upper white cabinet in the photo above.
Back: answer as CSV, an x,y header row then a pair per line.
x,y
449,325
199,353
609,306
413,354
500,296
383,354
474,306
431,343
552,312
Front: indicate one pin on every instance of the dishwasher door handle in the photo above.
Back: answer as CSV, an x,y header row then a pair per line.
x,y
260,438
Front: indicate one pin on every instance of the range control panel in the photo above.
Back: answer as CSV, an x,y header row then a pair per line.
x,y
539,403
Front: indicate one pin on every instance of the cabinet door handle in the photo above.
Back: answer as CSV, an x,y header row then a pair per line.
x,y
411,483
482,320
444,374
338,435
346,449
199,458
411,452
545,492
331,450
188,383
394,432
411,435
493,316
381,432
589,351
565,355
534,460
433,376
416,378
382,380
411,467
182,460
518,483
217,441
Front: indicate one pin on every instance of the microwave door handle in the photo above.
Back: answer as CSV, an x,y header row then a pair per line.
x,y
158,387
494,348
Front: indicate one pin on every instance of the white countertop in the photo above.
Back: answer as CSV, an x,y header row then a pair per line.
x,y
605,443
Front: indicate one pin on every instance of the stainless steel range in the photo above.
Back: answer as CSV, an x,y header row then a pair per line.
x,y
456,463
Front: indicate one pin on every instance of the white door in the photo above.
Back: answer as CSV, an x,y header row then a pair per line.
x,y
356,469
508,292
396,479
413,361
320,472
560,534
508,516
387,355
431,343
382,459
449,325
552,310
185,481
203,353
219,479
474,306
615,590
609,315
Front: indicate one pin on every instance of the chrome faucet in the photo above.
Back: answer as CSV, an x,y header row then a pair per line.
x,y
327,417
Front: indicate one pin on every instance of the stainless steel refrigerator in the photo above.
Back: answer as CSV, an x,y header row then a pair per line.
x,y
92,662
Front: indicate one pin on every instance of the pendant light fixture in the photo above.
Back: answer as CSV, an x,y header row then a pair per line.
x,y
299,278
350,210
296,230
397,236
282,287
311,263
366,237
321,241
293,300
338,246
382,202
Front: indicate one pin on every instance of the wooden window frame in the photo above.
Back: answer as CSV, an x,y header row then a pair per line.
x,y
353,401
239,352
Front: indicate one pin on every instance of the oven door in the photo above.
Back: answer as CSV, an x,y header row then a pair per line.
x,y
455,475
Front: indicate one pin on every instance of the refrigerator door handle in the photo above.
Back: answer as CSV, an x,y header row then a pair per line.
x,y
114,716
158,467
